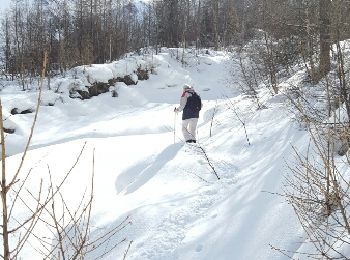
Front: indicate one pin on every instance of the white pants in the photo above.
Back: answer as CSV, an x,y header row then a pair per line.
x,y
189,127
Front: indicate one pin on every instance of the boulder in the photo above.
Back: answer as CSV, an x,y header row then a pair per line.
x,y
112,82
91,91
27,111
114,93
83,94
128,80
142,74
14,111
98,88
9,130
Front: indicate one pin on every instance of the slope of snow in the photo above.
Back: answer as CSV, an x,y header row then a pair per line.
x,y
178,208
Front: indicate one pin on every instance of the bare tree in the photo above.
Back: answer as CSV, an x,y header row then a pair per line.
x,y
325,37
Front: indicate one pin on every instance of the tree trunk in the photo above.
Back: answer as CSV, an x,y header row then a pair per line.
x,y
215,23
5,234
325,37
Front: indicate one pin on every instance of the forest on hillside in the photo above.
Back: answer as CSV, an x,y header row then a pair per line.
x,y
76,32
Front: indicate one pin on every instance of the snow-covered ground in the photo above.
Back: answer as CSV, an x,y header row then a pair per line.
x,y
178,208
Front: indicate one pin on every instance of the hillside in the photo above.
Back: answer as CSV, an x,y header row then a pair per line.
x,y
177,207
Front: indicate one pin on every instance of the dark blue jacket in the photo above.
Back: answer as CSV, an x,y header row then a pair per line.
x,y
188,110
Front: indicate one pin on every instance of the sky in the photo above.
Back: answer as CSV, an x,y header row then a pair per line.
x,y
4,4
143,170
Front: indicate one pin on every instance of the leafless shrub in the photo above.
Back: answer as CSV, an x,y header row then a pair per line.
x,y
318,190
318,184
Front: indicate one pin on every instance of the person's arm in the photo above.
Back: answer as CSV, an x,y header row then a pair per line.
x,y
183,102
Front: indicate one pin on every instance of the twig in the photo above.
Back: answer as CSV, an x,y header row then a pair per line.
x,y
127,250
208,161
232,108
212,117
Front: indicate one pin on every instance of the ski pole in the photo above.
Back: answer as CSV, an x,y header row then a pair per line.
x,y
174,124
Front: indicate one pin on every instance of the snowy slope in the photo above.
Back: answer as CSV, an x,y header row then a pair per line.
x,y
178,209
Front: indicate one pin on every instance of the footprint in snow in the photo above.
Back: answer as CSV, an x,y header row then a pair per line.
x,y
139,245
199,248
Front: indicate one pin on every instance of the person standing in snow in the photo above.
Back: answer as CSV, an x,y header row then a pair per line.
x,y
190,105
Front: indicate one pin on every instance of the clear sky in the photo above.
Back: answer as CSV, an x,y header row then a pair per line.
x,y
4,4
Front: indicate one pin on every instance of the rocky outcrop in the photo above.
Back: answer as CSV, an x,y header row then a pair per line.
x,y
78,93
91,91
142,74
15,111
98,88
27,111
128,80
9,130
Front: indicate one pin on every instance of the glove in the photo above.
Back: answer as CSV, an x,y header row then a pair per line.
x,y
176,110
